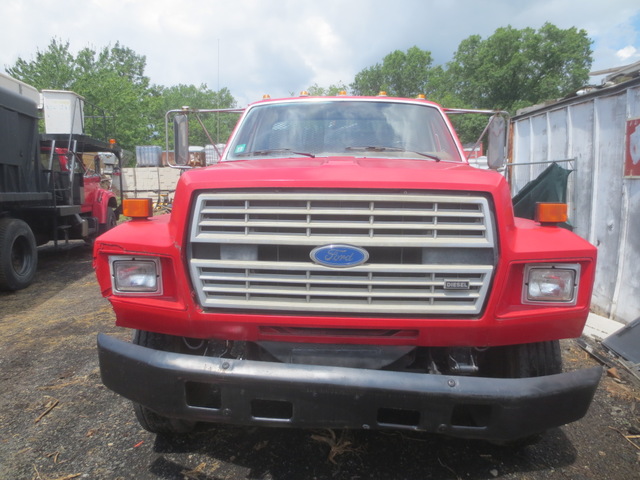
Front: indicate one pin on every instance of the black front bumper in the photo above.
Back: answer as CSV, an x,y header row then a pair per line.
x,y
276,394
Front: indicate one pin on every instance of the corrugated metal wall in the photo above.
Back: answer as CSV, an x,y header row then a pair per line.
x,y
604,205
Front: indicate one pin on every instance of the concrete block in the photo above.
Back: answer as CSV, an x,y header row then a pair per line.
x,y
599,328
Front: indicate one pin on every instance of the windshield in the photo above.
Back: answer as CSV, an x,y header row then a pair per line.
x,y
346,128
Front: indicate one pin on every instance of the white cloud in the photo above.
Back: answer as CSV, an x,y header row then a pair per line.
x,y
627,53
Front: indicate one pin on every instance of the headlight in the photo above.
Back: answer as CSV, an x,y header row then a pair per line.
x,y
135,275
551,283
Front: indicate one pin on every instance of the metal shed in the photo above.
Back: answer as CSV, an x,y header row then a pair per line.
x,y
597,135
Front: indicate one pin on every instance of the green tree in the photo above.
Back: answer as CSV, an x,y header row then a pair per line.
x,y
402,74
111,80
219,125
330,91
515,68
53,68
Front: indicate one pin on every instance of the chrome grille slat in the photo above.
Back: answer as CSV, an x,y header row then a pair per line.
x,y
303,266
248,225
334,293
363,241
232,215
276,279
374,220
319,211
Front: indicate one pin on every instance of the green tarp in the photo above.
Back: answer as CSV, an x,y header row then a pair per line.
x,y
550,186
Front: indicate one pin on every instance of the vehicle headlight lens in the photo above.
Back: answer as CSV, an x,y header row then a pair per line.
x,y
551,283
135,275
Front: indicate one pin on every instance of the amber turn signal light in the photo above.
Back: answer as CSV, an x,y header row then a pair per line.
x,y
137,207
551,212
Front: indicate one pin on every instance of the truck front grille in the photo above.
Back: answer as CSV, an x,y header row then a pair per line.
x,y
251,251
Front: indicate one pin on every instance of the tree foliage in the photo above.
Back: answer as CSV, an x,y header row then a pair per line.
x,y
515,68
53,68
401,74
332,90
508,70
219,125
113,80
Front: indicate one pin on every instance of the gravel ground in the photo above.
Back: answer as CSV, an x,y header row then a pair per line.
x,y
57,421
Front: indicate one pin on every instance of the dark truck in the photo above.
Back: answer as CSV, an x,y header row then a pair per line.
x,y
47,193
343,266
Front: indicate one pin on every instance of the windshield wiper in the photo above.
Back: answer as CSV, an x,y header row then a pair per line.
x,y
257,153
373,148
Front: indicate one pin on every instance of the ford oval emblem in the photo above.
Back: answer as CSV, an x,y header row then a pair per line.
x,y
339,256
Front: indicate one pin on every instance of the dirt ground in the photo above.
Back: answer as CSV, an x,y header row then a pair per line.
x,y
58,422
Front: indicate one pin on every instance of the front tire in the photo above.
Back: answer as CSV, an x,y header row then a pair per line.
x,y
524,361
155,423
18,254
148,419
111,222
533,359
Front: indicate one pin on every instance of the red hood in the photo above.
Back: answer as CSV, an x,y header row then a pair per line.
x,y
342,172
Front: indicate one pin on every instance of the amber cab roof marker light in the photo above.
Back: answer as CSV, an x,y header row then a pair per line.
x,y
551,213
138,208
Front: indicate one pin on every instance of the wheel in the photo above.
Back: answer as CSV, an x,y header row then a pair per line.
x,y
18,254
154,423
534,359
109,223
148,419
523,361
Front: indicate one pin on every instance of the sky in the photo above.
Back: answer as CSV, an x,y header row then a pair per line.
x,y
280,47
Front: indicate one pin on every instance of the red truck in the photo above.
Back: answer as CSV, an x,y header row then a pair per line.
x,y
47,193
343,266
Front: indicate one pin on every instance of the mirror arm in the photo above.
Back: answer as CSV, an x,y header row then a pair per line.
x,y
484,132
206,132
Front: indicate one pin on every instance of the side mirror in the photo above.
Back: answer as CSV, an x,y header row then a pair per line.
x,y
496,152
181,139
